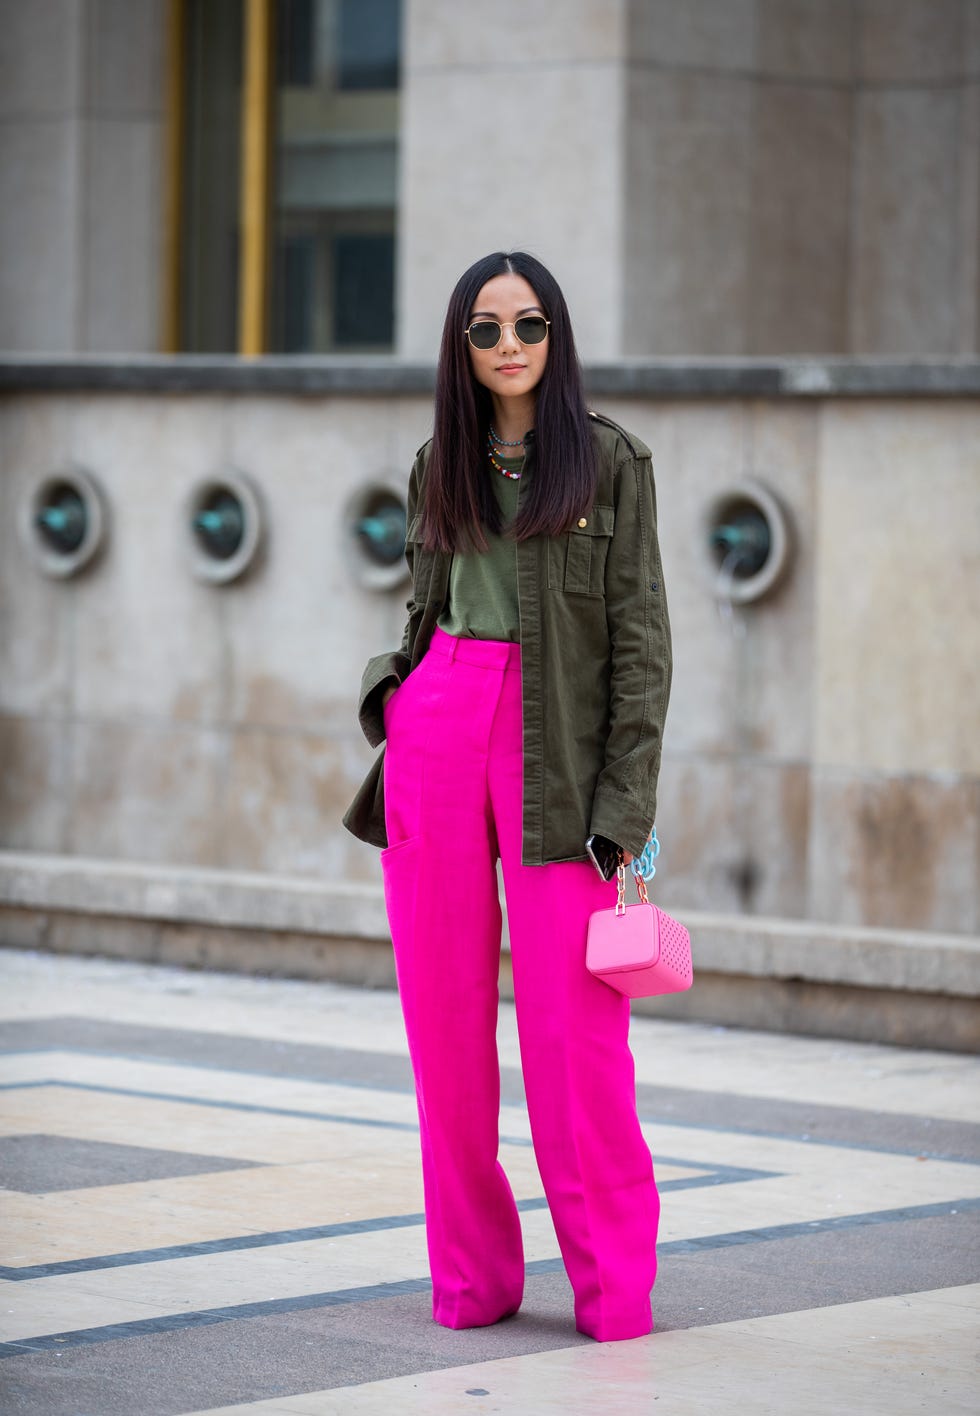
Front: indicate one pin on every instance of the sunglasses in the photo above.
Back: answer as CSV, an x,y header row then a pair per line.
x,y
486,334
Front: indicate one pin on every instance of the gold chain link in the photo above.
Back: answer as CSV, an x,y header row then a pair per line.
x,y
641,887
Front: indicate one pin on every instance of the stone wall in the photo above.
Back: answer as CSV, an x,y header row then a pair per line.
x,y
81,173
713,177
802,177
821,755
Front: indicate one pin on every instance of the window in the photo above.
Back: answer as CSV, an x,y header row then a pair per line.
x,y
324,277
207,286
368,48
334,208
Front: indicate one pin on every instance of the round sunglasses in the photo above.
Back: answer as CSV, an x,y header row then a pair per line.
x,y
486,334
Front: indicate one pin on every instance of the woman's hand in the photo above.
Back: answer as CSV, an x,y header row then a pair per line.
x,y
387,694
627,857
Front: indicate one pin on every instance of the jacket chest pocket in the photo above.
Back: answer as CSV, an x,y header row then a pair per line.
x,y
577,558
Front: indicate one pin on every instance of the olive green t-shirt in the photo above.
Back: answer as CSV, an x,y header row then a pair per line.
x,y
482,601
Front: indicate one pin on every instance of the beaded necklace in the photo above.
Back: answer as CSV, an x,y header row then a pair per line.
x,y
502,442
491,438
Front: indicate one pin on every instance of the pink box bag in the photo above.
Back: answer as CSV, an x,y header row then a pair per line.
x,y
638,949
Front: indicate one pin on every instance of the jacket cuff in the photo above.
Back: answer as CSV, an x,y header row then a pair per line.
x,y
380,671
615,817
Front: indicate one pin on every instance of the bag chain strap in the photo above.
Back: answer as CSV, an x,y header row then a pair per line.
x,y
643,869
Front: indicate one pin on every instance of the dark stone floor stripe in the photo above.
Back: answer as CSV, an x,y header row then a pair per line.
x,y
334,1118
282,1355
736,1239
38,1162
803,1228
227,1052
844,1128
710,1176
234,1244
173,1322
799,1230
847,1127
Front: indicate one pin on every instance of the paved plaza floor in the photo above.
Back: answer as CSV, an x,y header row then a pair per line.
x,y
212,1202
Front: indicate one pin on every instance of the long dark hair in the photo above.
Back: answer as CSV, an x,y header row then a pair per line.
x,y
459,501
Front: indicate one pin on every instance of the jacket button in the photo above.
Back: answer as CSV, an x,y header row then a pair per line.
x,y
582,521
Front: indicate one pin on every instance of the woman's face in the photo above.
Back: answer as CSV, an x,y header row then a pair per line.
x,y
512,368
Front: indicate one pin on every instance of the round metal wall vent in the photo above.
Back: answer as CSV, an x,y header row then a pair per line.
x,y
374,537
224,522
63,522
748,538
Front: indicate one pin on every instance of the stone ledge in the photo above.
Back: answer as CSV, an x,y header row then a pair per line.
x,y
191,895
763,947
222,900
810,376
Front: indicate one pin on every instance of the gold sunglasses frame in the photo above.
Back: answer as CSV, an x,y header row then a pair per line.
x,y
505,324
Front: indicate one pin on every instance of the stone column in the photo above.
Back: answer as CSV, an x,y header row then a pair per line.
x,y
81,96
512,137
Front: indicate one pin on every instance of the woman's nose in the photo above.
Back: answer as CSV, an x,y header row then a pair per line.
x,y
509,342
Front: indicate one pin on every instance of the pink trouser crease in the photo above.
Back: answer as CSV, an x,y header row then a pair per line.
x,y
453,803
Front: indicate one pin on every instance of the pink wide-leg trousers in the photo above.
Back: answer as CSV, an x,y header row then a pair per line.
x,y
453,802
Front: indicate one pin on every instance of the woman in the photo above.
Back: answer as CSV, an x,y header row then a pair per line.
x,y
522,714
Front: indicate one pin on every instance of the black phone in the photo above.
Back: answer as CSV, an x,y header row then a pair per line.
x,y
604,855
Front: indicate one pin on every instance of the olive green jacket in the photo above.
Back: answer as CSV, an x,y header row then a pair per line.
x,y
595,663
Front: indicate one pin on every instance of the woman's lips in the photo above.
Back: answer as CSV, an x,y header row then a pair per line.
x,y
511,368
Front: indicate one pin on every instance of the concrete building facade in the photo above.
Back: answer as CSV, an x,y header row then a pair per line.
x,y
719,177
821,759
766,217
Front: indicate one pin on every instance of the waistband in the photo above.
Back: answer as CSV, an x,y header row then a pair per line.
x,y
485,653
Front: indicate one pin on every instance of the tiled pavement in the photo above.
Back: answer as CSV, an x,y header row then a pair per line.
x,y
212,1202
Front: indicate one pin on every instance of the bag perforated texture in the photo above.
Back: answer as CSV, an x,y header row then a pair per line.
x,y
643,952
